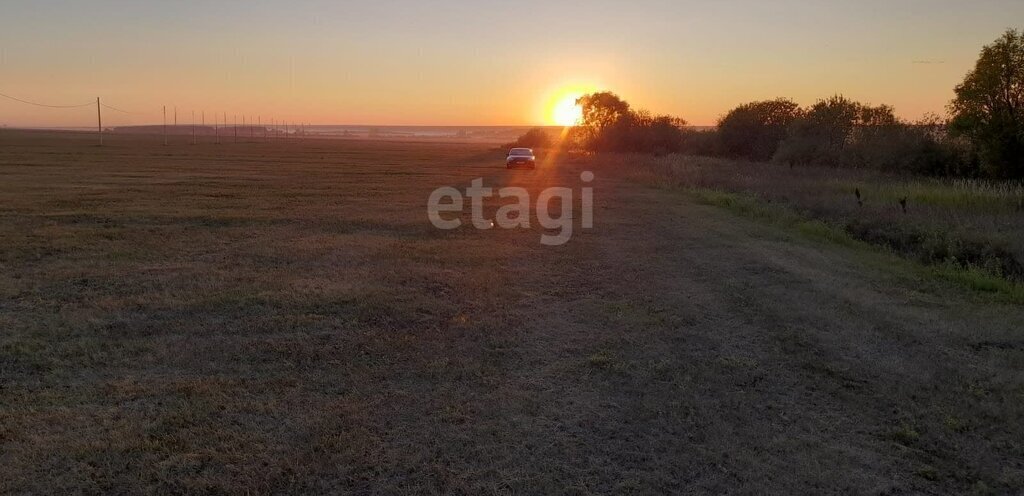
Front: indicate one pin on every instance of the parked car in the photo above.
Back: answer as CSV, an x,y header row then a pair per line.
x,y
521,157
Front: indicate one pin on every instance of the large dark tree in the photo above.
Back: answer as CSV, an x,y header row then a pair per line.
x,y
610,125
601,114
989,106
602,109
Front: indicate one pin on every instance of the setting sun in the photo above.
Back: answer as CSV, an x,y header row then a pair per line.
x,y
566,112
451,246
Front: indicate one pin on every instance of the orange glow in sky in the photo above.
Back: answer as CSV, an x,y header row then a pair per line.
x,y
559,107
457,62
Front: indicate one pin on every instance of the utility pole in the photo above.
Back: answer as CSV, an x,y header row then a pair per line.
x,y
193,127
99,120
165,125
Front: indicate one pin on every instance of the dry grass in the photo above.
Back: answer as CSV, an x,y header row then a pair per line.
x,y
282,319
191,318
973,227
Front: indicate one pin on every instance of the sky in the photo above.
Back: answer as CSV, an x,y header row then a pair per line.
x,y
466,62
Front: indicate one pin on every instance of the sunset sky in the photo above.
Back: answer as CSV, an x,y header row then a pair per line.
x,y
480,62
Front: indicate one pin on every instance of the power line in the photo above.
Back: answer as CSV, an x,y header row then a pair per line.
x,y
111,107
117,109
273,131
45,105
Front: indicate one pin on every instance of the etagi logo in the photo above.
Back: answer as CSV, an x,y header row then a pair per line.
x,y
515,214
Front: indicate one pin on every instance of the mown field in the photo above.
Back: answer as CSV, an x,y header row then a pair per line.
x,y
282,318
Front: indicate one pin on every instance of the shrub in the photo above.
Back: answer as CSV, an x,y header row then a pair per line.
x,y
924,147
843,133
754,130
534,138
700,142
822,132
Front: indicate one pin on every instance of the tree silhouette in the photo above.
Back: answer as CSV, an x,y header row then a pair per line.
x,y
601,113
989,106
609,124
754,130
822,132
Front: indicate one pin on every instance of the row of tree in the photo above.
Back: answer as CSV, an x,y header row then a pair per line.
x,y
840,132
983,137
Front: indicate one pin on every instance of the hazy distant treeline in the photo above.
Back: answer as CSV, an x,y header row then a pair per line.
x,y
984,135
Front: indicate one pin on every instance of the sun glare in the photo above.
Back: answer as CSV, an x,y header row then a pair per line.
x,y
566,112
558,105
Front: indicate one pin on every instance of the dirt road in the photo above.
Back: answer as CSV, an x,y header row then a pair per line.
x,y
283,318
726,356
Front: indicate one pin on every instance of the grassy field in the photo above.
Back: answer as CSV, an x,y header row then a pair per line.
x,y
969,229
282,318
